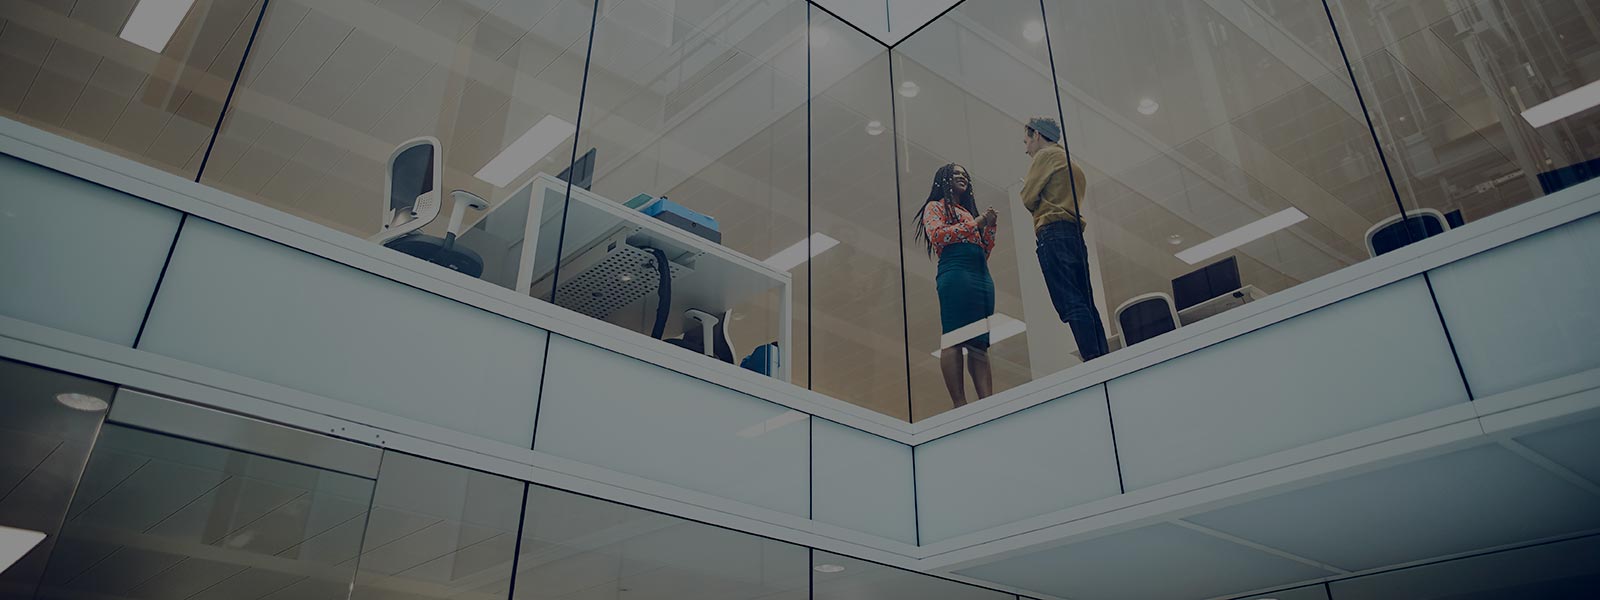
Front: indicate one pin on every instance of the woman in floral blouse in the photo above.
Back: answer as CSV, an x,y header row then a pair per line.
x,y
949,225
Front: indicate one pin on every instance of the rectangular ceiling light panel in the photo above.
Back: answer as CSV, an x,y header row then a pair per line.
x,y
154,21
14,543
529,149
1233,239
1563,106
794,256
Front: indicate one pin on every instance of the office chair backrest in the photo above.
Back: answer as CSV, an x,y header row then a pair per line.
x,y
1396,232
412,197
1146,316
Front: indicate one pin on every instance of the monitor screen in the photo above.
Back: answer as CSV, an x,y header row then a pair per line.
x,y
1206,282
581,173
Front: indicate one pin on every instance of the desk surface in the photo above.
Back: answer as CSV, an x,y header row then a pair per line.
x,y
524,229
1220,304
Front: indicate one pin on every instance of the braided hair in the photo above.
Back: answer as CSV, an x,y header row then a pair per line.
x,y
943,181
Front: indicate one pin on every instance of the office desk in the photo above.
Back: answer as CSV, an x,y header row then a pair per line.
x,y
519,234
1220,304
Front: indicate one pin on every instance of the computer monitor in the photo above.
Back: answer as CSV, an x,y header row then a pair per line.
x,y
581,173
1205,283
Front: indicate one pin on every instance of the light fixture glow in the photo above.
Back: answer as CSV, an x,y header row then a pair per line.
x,y
83,402
1241,236
154,21
14,543
999,326
910,89
532,146
794,256
1148,106
828,568
1564,106
1033,31
874,127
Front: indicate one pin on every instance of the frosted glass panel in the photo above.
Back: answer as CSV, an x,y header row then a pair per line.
x,y
1046,458
77,256
249,306
862,481
609,410
1525,313
1366,361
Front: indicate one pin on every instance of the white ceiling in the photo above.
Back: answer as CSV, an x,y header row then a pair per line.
x,y
706,101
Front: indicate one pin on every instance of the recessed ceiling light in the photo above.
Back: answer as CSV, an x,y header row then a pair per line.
x,y
1175,239
1033,31
910,89
795,255
154,21
83,402
14,543
1241,236
874,127
1564,106
1148,106
528,150
828,568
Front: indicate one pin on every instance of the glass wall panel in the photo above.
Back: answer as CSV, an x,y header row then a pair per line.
x,y
48,422
165,518
437,531
964,87
1563,570
123,75
1457,93
857,303
368,117
695,113
575,547
837,577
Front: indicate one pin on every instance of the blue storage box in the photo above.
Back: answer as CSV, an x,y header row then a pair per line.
x,y
681,217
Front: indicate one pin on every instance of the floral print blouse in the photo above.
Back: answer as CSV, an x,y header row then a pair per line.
x,y
950,224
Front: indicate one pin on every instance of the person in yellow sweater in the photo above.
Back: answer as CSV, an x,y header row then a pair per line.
x,y
1051,192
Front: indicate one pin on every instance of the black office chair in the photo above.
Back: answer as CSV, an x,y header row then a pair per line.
x,y
1146,316
1396,232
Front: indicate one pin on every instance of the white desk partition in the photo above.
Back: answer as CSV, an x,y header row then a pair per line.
x,y
518,238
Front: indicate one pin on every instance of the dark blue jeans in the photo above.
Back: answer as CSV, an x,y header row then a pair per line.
x,y
1065,262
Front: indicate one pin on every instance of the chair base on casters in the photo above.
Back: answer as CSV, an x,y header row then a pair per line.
x,y
439,251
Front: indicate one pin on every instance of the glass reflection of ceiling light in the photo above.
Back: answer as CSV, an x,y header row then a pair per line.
x,y
532,146
1033,31
999,326
828,568
910,89
625,277
1233,239
773,424
16,542
154,21
1148,106
874,127
1564,106
83,402
794,256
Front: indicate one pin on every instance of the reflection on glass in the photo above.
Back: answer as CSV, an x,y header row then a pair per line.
x,y
964,88
696,115
857,328
836,577
1456,91
149,88
48,422
437,531
334,90
161,517
575,547
1563,570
